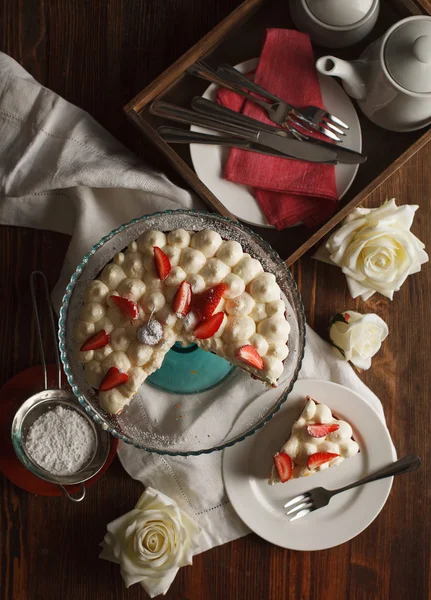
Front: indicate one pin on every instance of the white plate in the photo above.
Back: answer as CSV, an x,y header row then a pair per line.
x,y
247,465
208,161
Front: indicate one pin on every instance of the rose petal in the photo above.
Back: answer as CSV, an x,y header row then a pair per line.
x,y
375,320
402,215
361,363
155,587
353,316
108,553
357,213
121,523
130,579
152,499
341,239
341,339
357,289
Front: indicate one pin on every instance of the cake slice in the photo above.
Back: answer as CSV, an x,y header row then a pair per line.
x,y
318,440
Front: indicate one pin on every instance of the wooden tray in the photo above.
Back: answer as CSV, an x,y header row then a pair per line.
x,y
238,38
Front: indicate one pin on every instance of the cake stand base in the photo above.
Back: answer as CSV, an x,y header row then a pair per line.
x,y
189,370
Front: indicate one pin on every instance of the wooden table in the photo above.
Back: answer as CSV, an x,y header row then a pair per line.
x,y
98,55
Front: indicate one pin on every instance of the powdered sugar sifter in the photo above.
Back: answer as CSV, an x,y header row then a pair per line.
x,y
49,399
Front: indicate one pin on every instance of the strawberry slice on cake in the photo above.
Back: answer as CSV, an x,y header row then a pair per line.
x,y
318,440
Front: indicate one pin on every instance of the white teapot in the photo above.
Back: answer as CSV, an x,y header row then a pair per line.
x,y
392,78
335,23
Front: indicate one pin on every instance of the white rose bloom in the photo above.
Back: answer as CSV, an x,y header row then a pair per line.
x,y
376,249
151,542
358,336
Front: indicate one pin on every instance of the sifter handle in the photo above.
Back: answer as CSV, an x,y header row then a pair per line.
x,y
38,327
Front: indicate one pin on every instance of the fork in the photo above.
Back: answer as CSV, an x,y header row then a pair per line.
x,y
202,70
212,109
319,497
282,112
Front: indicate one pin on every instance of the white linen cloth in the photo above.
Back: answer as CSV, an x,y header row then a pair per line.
x,y
62,171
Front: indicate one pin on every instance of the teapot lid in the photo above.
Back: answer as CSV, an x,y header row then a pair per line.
x,y
408,54
339,13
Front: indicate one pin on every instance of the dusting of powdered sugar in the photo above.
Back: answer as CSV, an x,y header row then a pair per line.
x,y
60,441
151,333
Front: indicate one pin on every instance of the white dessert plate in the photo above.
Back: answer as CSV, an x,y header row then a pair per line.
x,y
208,161
246,468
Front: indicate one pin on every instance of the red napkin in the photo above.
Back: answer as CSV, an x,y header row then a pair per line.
x,y
288,191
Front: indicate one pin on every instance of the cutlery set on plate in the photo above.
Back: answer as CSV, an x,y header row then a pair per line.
x,y
291,138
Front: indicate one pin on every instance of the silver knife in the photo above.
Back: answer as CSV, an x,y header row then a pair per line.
x,y
175,135
302,150
216,111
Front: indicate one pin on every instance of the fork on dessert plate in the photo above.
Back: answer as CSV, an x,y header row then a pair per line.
x,y
246,473
305,503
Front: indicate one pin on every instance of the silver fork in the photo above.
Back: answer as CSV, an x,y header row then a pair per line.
x,y
282,112
202,70
216,111
319,497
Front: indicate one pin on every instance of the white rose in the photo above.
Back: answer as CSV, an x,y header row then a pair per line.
x,y
358,337
151,542
376,249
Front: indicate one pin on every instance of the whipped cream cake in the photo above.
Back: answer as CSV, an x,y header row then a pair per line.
x,y
178,286
317,441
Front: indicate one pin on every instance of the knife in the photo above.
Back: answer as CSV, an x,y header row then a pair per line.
x,y
303,150
214,110
175,135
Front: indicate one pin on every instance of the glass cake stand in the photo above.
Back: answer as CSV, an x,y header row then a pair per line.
x,y
194,403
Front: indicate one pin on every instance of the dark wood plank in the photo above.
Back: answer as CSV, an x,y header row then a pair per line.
x,y
200,49
99,55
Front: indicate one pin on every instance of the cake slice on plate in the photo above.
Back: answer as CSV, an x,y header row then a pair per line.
x,y
318,440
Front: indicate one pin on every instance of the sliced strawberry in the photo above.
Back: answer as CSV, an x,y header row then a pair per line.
x,y
127,307
182,300
250,356
207,328
96,341
283,464
320,458
205,304
320,430
113,378
162,263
